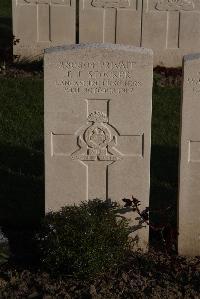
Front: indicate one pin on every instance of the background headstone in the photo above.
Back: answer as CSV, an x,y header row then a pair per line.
x,y
98,102
189,193
39,24
110,21
171,29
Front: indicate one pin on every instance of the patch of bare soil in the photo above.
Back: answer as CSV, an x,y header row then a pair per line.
x,y
167,77
21,71
152,275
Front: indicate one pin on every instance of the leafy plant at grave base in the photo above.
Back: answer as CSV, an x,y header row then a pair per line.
x,y
83,241
3,257
167,232
4,252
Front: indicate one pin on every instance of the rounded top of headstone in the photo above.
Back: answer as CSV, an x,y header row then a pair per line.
x,y
106,46
193,56
110,3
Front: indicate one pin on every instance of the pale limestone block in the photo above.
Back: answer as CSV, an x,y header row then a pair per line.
x,y
171,29
189,184
40,24
98,102
110,21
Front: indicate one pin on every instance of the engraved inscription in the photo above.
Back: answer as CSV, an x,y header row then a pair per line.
x,y
111,3
175,5
99,77
98,141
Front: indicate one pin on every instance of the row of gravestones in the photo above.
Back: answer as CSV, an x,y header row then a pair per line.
x,y
98,104
170,27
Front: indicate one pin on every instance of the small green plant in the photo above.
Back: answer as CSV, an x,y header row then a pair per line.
x,y
4,249
83,241
167,232
3,257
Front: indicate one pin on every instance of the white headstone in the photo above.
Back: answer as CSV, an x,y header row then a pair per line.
x,y
110,21
98,125
39,24
171,29
189,193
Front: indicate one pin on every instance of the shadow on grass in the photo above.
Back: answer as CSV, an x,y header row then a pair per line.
x,y
22,194
28,65
32,64
21,197
5,28
6,38
164,188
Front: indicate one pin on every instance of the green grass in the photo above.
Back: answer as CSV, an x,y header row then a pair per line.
x,y
164,152
5,27
5,8
21,148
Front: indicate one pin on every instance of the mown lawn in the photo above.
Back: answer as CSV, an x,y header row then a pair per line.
x,y
21,147
5,8
21,141
5,27
22,190
165,152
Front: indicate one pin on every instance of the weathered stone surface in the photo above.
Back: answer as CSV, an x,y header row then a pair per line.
x,y
171,29
40,24
110,21
189,193
97,125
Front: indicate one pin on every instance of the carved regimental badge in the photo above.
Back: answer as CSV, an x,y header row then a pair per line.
x,y
97,141
175,5
111,3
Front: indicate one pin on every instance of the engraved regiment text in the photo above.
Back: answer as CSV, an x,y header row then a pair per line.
x,y
105,77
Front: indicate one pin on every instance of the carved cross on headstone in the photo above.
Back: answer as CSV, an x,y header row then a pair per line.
x,y
44,16
97,145
110,16
174,8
